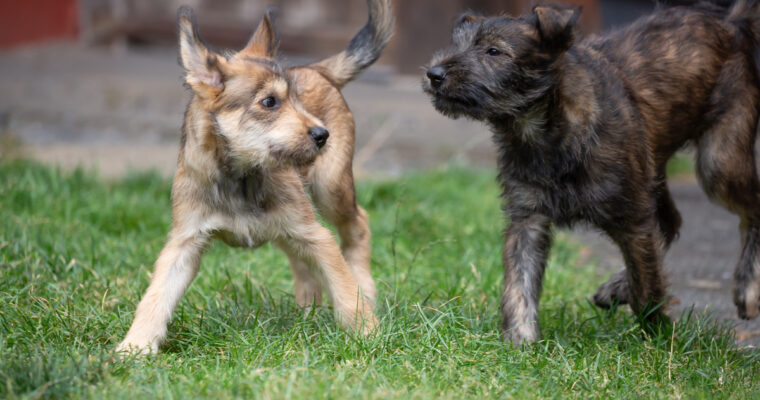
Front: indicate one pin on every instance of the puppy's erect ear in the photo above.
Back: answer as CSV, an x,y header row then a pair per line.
x,y
555,24
202,66
264,41
465,28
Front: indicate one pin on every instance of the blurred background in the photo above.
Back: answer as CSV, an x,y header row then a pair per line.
x,y
97,83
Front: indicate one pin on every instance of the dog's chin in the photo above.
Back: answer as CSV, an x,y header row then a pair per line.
x,y
454,107
447,102
296,157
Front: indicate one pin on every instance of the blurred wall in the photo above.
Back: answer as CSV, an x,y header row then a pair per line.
x,y
309,28
425,25
30,21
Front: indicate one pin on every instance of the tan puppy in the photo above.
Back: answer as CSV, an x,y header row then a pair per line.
x,y
254,143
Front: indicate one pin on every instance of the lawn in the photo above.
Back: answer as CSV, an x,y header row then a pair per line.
x,y
76,253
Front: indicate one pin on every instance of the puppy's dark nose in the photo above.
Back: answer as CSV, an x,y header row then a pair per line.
x,y
436,75
319,135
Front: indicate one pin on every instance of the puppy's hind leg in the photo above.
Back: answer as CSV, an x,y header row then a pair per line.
x,y
315,245
175,269
747,273
641,245
727,171
616,291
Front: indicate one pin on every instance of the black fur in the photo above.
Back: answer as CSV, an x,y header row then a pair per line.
x,y
584,131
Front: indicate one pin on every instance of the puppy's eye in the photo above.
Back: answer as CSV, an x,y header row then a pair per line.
x,y
269,102
493,52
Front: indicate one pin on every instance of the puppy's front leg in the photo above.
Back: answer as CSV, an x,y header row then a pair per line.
x,y
525,250
316,246
175,269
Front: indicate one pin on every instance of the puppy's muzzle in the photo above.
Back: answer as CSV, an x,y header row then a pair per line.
x,y
436,75
319,135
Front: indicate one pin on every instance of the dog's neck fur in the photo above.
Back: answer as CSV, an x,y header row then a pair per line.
x,y
555,134
562,119
203,160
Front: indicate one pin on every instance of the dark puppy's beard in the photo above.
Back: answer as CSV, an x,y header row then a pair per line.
x,y
454,105
479,102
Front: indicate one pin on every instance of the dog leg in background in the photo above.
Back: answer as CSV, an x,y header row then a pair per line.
x,y
726,169
355,244
317,248
175,269
616,291
525,251
642,252
747,273
307,286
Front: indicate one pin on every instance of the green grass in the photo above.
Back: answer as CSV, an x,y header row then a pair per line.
x,y
681,165
76,253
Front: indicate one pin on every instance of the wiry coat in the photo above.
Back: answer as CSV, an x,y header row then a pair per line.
x,y
584,131
254,148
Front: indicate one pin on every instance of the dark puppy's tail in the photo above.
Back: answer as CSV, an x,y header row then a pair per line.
x,y
365,47
746,14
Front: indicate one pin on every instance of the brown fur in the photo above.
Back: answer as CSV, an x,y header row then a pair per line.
x,y
248,161
585,129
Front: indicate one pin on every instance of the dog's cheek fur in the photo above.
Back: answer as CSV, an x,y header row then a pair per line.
x,y
481,86
289,142
246,143
464,92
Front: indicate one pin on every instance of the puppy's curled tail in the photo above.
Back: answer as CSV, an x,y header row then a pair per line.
x,y
365,47
746,13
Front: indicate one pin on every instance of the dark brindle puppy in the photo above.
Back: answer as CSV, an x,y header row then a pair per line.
x,y
584,131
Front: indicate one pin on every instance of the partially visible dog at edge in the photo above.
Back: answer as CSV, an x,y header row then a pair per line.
x,y
257,137
584,131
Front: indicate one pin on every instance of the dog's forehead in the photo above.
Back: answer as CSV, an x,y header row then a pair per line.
x,y
255,74
506,29
258,66
496,29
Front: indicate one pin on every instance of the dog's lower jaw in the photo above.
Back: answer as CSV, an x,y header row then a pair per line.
x,y
456,111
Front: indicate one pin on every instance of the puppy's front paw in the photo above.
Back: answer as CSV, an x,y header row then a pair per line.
x,y
747,300
308,297
359,319
612,293
137,346
526,333
366,324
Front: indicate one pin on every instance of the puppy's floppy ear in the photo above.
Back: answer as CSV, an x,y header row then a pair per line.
x,y
202,66
465,27
555,24
264,41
